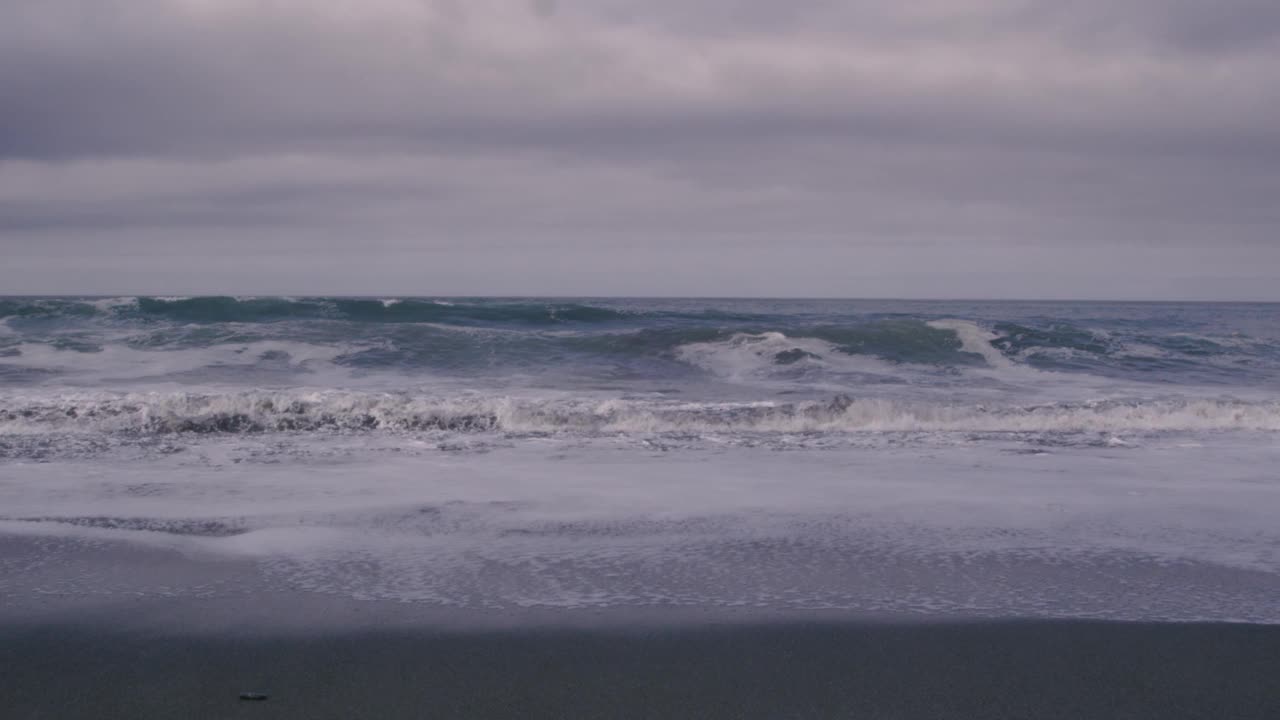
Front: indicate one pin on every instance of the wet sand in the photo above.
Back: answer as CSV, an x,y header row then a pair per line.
x,y
1029,669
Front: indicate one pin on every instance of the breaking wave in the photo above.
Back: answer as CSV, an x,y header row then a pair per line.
x,y
724,339
263,411
793,346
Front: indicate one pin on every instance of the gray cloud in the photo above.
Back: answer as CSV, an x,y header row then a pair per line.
x,y
992,147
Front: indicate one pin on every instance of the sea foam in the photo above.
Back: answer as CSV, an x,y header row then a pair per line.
x,y
261,411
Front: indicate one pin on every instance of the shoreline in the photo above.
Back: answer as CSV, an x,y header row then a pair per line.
x,y
112,583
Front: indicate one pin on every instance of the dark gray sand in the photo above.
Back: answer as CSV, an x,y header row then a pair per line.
x,y
1030,669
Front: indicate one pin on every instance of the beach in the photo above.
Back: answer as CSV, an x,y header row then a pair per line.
x,y
971,670
406,508
133,651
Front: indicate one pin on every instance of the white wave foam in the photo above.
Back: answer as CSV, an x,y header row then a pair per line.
x,y
751,357
976,340
323,410
106,305
118,362
1143,351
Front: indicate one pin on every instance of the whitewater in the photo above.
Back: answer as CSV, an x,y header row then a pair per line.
x,y
927,458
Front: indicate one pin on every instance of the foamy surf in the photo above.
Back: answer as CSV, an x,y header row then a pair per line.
x,y
974,339
748,357
928,534
263,411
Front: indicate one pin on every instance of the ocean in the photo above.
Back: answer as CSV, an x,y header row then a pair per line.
x,y
876,458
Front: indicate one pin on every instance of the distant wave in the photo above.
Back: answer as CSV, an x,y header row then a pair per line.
x,y
214,309
263,411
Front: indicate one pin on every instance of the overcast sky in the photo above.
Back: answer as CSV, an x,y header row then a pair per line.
x,y
857,148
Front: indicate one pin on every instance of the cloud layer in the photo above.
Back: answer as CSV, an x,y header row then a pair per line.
x,y
938,148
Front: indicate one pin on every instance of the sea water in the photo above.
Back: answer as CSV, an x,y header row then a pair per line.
x,y
991,459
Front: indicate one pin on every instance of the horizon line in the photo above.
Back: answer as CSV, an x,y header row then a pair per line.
x,y
798,298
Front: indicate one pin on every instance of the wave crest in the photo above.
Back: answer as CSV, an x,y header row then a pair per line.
x,y
266,411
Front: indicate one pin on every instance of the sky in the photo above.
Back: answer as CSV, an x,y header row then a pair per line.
x,y
1125,149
